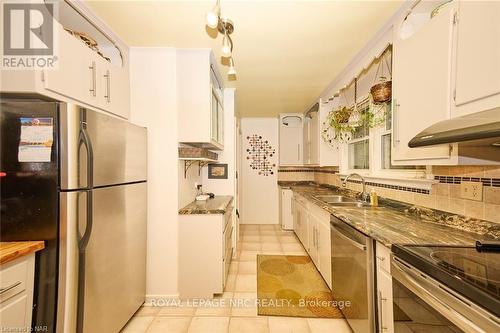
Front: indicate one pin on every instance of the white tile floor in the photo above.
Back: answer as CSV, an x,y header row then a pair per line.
x,y
241,285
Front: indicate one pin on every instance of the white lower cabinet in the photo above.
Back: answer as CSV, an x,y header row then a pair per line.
x,y
286,213
16,299
205,253
312,227
384,290
300,223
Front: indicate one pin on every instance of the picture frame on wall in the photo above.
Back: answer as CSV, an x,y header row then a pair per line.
x,y
217,171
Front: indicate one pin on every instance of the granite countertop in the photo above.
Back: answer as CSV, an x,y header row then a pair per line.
x,y
12,250
395,222
217,205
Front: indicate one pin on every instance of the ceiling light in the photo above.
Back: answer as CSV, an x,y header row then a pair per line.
x,y
232,70
213,16
226,27
227,46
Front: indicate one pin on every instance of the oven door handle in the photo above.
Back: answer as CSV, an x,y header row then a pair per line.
x,y
465,323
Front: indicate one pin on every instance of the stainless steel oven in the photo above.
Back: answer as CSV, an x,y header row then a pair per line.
x,y
422,304
352,275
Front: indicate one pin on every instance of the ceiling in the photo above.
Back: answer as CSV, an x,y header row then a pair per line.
x,y
286,52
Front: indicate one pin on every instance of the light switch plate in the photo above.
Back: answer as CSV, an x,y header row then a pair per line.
x,y
471,191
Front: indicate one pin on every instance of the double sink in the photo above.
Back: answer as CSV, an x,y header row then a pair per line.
x,y
342,201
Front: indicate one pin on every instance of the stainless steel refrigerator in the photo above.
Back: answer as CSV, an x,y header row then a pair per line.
x,y
86,191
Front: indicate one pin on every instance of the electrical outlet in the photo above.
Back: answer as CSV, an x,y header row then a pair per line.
x,y
471,191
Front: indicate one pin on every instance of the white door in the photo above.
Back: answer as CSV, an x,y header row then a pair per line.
x,y
312,223
291,140
421,86
478,57
314,136
306,157
384,302
286,209
76,76
324,251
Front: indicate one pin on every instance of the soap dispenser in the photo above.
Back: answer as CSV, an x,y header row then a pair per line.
x,y
373,198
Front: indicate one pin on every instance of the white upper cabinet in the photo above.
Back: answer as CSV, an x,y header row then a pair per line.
x,y
477,78
318,152
80,74
199,99
291,126
311,139
422,61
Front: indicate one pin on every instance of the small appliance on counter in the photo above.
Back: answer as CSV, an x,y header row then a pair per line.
x,y
457,287
200,196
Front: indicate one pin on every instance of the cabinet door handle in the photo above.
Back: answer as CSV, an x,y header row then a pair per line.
x,y
317,239
380,306
12,286
92,71
395,126
108,86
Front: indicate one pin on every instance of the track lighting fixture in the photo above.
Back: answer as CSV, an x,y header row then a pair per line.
x,y
226,27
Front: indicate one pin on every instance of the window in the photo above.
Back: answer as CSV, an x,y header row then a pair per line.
x,y
359,146
385,143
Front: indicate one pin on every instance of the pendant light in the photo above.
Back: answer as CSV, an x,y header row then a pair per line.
x,y
232,70
227,46
226,27
213,16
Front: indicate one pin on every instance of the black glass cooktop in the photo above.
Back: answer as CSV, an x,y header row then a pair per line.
x,y
474,274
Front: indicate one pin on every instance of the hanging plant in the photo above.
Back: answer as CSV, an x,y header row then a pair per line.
x,y
381,91
338,121
375,115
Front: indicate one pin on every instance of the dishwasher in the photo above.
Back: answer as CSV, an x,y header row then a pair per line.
x,y
352,275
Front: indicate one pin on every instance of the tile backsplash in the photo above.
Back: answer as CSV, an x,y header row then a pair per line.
x,y
444,195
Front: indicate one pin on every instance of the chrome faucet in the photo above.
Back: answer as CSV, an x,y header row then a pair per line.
x,y
364,195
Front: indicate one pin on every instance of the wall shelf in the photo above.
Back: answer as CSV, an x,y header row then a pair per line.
x,y
188,162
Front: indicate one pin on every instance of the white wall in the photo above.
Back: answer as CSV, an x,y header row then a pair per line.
x,y
153,104
187,186
227,156
259,194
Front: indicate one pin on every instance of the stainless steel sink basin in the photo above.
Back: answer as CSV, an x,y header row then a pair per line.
x,y
355,204
330,199
342,201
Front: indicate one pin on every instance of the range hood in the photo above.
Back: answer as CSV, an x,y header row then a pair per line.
x,y
481,129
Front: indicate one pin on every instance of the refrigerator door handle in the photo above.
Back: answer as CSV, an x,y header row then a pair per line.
x,y
84,240
85,141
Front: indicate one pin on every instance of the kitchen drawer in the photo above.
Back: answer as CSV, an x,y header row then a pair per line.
x,y
15,313
383,254
13,278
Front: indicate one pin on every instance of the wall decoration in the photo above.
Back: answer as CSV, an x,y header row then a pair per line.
x,y
217,171
259,155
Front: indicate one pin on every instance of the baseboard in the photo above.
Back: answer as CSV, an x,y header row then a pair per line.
x,y
161,300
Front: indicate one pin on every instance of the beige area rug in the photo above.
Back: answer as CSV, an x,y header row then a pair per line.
x,y
291,286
